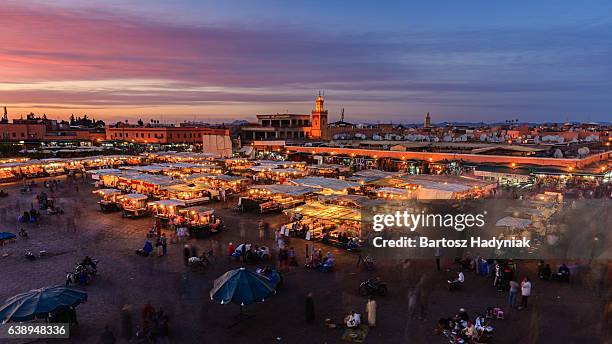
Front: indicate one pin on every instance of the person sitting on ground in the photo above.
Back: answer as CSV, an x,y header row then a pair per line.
x,y
463,315
352,320
146,249
469,332
23,234
353,244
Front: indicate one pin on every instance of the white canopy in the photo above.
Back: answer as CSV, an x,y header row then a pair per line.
x,y
168,203
134,197
107,192
326,183
513,222
286,189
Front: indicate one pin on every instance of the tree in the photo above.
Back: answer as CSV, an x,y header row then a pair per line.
x,y
140,122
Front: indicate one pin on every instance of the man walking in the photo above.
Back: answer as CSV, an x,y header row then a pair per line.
x,y
525,292
514,286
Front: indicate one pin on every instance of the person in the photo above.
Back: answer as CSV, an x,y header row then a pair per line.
x,y
292,258
310,312
146,249
329,262
525,292
563,273
469,332
186,254
23,234
352,320
546,272
230,249
457,282
514,286
164,244
498,273
107,336
438,254
371,311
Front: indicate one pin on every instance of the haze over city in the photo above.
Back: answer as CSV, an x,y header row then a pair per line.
x,y
217,61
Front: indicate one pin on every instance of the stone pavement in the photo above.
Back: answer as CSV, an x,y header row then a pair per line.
x,y
559,312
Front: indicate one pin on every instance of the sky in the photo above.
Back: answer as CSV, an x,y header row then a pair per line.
x,y
382,61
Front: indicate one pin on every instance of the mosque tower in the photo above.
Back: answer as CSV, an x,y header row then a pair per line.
x,y
319,118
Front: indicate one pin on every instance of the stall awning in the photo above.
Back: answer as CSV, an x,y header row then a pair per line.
x,y
355,200
199,210
286,189
326,183
187,188
134,197
107,192
167,203
327,212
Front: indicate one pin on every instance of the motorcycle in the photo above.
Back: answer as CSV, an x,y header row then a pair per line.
x,y
83,273
373,286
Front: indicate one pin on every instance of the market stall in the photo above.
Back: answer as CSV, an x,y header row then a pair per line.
x,y
134,205
275,197
199,221
390,193
327,186
231,184
332,224
190,194
109,201
328,170
165,208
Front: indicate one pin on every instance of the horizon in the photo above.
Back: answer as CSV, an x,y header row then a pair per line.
x,y
217,62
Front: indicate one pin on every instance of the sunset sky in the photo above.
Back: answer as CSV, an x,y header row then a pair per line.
x,y
381,61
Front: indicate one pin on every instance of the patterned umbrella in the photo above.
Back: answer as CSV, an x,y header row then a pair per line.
x,y
40,303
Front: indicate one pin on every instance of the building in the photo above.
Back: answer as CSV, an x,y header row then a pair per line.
x,y
319,119
213,140
278,126
288,126
427,121
34,129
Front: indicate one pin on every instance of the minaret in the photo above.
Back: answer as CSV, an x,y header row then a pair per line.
x,y
318,118
427,121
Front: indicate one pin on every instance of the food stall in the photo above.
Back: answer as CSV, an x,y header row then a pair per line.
x,y
328,170
390,193
282,174
134,205
190,194
355,201
332,224
231,184
165,208
275,197
109,202
200,221
327,186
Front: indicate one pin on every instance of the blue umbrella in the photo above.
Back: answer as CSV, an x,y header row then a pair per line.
x,y
241,286
7,236
40,303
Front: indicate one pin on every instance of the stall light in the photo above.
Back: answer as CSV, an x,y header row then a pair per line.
x,y
513,165
430,159
571,168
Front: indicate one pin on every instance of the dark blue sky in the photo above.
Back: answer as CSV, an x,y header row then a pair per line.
x,y
393,61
